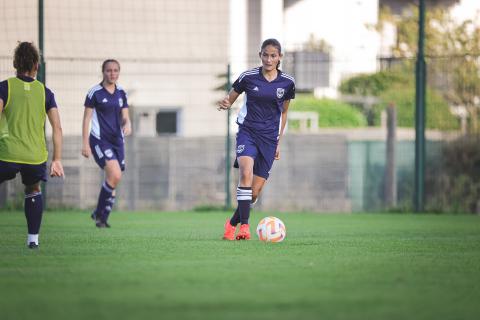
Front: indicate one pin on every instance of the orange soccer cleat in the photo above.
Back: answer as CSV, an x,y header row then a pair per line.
x,y
244,233
229,233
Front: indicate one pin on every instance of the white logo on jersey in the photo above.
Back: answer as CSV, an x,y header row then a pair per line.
x,y
280,92
120,102
240,148
108,153
104,100
255,89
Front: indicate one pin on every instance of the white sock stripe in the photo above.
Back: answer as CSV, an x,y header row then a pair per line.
x,y
107,187
31,195
249,198
244,191
244,195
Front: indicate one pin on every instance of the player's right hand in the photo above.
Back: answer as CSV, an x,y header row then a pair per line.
x,y
56,169
86,151
224,104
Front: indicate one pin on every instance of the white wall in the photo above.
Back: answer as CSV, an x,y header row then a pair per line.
x,y
238,36
272,20
171,52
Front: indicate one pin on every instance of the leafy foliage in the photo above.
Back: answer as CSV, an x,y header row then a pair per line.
x,y
331,113
397,87
452,50
374,84
454,186
438,115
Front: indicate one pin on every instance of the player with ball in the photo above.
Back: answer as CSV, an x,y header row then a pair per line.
x,y
261,123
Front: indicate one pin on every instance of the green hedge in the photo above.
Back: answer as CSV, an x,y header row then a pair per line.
x,y
453,184
398,87
438,115
374,84
331,113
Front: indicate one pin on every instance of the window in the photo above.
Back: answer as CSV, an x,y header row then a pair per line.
x,y
166,122
310,69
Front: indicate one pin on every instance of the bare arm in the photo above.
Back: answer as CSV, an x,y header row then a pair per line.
x,y
286,103
1,107
87,116
126,124
227,102
56,168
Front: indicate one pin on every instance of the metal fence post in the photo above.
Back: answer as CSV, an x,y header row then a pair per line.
x,y
228,197
420,114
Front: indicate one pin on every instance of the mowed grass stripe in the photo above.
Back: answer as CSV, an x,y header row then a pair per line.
x,y
174,265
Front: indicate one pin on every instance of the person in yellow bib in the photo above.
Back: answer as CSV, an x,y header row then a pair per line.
x,y
25,103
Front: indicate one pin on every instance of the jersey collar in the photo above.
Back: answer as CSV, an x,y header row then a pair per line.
x,y
105,89
25,78
263,77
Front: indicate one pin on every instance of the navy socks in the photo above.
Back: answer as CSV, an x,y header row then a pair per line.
x,y
104,201
33,213
244,198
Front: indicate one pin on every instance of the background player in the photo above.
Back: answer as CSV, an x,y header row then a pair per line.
x,y
106,107
24,105
261,124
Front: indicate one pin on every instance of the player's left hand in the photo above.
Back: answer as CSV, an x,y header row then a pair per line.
x,y
56,169
127,129
277,153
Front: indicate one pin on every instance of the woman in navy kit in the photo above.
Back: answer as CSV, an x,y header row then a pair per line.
x,y
106,108
261,124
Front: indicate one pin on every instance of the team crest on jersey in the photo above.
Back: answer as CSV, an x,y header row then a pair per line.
x,y
120,102
280,92
240,148
108,153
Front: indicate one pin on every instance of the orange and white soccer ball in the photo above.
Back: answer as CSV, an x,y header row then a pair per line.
x,y
271,229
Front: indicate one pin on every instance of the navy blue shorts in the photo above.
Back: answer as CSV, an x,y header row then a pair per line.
x,y
103,151
31,173
260,149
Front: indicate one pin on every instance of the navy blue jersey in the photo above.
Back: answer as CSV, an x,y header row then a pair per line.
x,y
263,105
49,96
107,113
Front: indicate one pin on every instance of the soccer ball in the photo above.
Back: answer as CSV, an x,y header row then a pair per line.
x,y
271,229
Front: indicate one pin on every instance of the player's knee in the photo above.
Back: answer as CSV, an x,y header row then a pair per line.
x,y
246,171
32,188
114,179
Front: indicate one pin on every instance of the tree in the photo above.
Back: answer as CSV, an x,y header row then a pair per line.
x,y
452,50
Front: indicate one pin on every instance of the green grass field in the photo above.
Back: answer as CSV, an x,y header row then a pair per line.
x,y
173,266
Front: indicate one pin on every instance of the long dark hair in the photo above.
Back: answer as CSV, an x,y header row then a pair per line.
x,y
274,43
25,57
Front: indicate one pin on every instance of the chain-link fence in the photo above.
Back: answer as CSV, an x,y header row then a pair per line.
x,y
173,67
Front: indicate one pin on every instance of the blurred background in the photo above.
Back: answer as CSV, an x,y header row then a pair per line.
x,y
349,145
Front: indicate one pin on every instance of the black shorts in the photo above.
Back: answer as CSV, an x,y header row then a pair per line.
x,y
31,173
